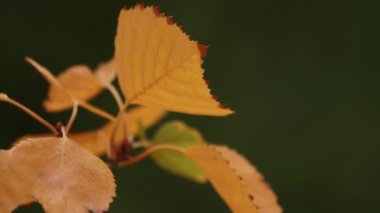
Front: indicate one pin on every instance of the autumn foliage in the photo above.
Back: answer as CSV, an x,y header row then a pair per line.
x,y
159,69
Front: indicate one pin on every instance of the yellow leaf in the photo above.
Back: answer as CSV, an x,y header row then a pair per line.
x,y
143,117
79,81
62,176
159,65
235,179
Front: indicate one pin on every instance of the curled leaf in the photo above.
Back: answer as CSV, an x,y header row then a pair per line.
x,y
240,185
159,65
62,176
79,81
178,134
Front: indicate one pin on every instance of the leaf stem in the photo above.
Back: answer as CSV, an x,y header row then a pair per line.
x,y
64,133
143,143
45,73
115,95
112,146
73,116
96,110
5,98
148,152
54,82
121,115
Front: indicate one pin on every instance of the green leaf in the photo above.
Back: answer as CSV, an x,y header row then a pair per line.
x,y
177,133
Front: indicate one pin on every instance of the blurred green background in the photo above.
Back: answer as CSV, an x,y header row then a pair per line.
x,y
302,76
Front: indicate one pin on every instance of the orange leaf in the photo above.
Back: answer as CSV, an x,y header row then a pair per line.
x,y
262,194
159,65
79,81
94,141
13,191
60,175
238,182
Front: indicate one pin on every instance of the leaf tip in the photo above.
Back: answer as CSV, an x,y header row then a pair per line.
x,y
226,109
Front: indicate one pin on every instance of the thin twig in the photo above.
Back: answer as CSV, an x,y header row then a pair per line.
x,y
45,73
147,152
73,116
112,146
96,110
7,99
121,115
54,82
115,95
63,131
141,144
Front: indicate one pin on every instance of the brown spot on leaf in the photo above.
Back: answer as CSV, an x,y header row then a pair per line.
x,y
250,197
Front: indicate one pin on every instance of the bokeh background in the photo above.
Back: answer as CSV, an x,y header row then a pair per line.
x,y
302,76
